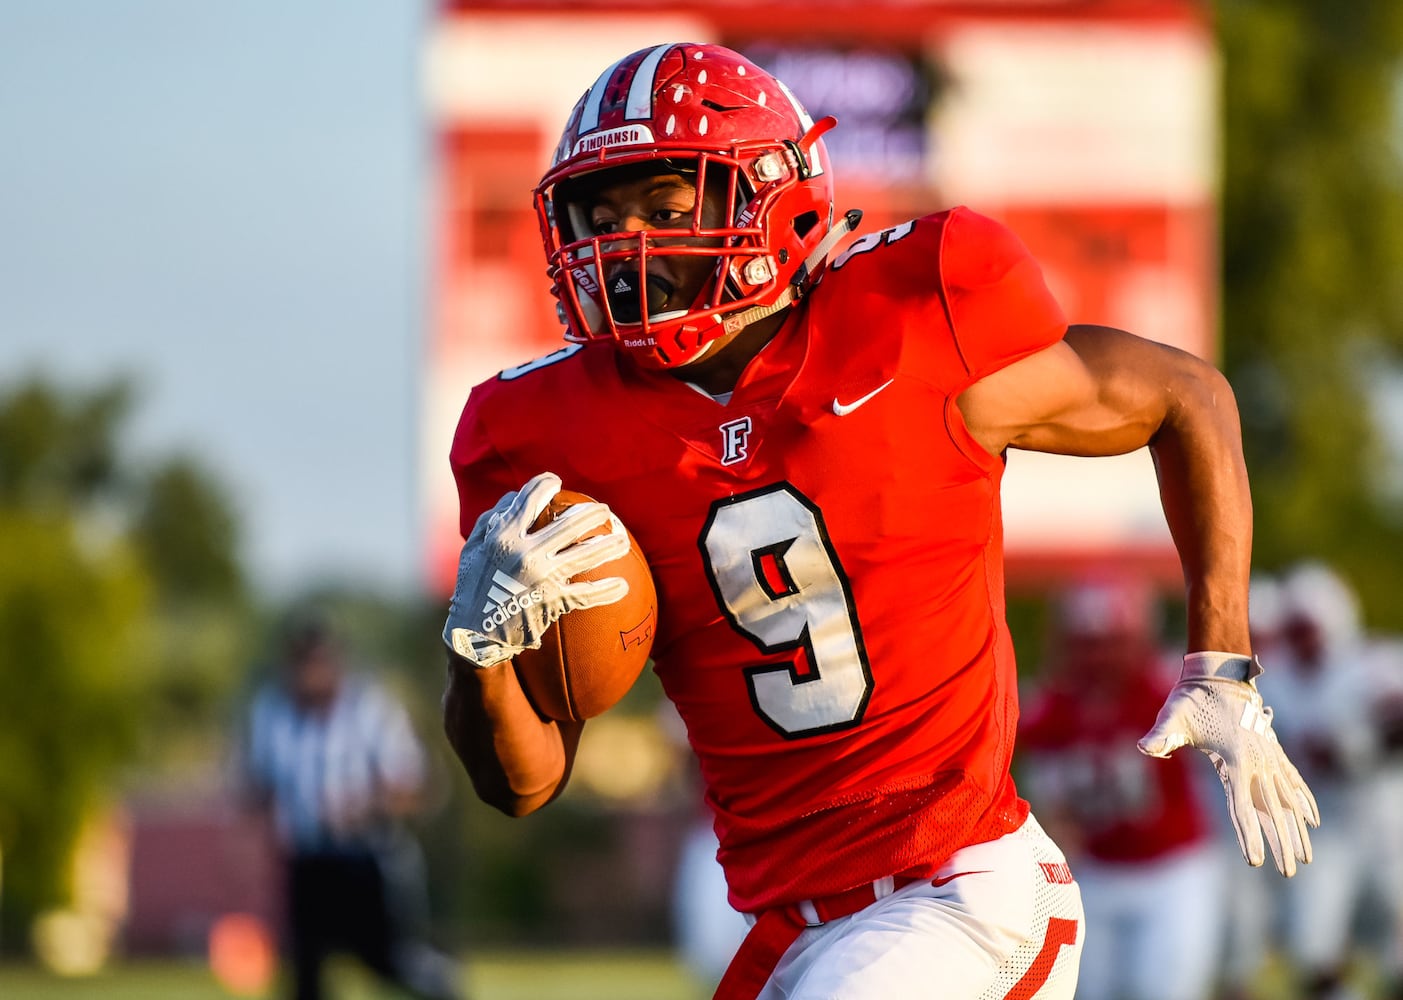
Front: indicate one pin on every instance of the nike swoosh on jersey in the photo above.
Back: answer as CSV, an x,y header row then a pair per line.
x,y
940,880
843,409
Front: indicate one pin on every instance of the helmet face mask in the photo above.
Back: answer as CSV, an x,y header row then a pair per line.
x,y
763,199
648,278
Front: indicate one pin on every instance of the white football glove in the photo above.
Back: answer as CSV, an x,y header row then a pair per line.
x,y
513,583
1217,708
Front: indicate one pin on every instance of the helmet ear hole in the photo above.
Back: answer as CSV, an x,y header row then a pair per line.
x,y
804,222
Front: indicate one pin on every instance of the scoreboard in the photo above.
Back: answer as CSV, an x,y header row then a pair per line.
x,y
1088,128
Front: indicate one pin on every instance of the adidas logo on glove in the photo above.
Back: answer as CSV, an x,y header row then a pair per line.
x,y
507,598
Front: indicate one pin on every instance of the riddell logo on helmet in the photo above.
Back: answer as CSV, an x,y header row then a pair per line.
x,y
639,342
629,135
510,609
583,279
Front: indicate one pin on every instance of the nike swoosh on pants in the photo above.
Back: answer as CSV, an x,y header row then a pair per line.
x,y
940,880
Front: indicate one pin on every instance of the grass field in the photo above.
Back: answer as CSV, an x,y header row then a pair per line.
x,y
643,975
498,975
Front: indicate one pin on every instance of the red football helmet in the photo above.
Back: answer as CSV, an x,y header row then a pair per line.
x,y
707,113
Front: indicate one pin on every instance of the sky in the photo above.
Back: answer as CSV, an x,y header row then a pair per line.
x,y
227,202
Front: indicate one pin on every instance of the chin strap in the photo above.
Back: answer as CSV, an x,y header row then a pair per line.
x,y
797,288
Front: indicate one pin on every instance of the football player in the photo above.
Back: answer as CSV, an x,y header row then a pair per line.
x,y
808,446
1328,696
1137,829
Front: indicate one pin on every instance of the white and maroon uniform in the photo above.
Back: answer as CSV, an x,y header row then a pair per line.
x,y
827,548
1146,852
1323,714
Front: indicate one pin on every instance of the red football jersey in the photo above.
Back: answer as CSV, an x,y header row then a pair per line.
x,y
1127,807
827,548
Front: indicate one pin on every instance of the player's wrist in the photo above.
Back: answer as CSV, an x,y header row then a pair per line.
x,y
1217,665
476,649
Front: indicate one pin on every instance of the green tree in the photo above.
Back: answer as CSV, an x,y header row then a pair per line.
x,y
72,673
121,598
187,534
1312,208
60,452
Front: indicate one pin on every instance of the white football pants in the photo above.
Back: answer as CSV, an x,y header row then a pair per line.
x,y
999,920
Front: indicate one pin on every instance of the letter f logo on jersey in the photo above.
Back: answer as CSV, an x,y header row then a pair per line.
x,y
735,441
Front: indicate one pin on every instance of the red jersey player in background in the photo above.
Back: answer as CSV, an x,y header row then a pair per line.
x,y
1136,830
808,448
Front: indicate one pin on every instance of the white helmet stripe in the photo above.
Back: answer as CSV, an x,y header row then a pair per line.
x,y
640,92
589,118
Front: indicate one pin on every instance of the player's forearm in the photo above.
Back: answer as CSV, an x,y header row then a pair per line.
x,y
1208,505
517,761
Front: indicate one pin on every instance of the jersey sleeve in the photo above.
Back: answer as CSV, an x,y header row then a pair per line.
x,y
1000,308
480,472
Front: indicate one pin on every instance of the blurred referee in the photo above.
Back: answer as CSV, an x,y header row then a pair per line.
x,y
331,757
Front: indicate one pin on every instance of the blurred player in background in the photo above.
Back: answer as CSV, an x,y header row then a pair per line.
x,y
330,757
1326,701
707,930
808,445
1137,830
1383,805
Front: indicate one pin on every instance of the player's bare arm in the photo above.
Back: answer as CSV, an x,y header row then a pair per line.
x,y
517,761
1103,391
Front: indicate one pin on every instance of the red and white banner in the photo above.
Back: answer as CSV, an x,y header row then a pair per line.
x,y
1091,132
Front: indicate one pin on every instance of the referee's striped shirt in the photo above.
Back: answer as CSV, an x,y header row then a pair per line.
x,y
323,769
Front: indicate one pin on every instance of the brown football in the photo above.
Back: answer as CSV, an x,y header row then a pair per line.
x,y
590,658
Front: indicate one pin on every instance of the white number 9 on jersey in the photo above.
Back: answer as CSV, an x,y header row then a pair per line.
x,y
779,582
